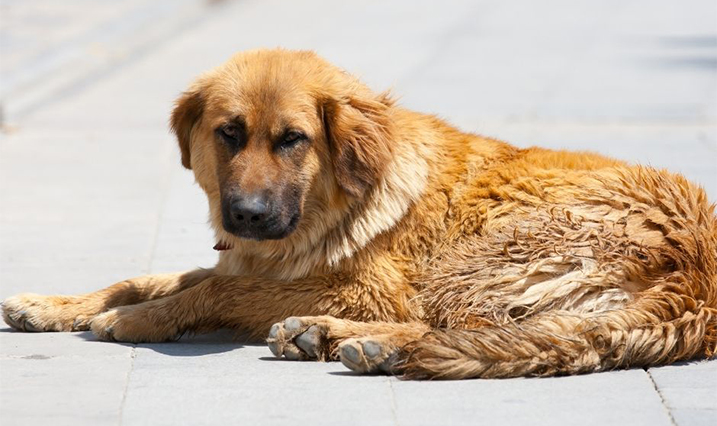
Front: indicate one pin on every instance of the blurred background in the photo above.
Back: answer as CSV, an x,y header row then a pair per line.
x,y
91,186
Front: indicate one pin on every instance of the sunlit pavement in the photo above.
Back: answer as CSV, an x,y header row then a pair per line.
x,y
92,191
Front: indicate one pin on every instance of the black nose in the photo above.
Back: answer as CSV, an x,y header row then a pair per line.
x,y
250,210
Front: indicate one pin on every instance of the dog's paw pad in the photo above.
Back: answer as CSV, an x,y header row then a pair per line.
x,y
367,356
297,340
293,324
275,339
311,341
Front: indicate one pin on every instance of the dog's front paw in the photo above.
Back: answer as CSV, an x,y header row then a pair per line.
x,y
369,355
131,324
33,312
300,338
102,326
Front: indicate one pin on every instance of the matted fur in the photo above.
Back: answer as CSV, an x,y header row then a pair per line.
x,y
421,250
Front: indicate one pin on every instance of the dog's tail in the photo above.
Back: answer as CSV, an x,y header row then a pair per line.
x,y
561,343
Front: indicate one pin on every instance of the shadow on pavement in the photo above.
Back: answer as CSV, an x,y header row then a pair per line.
x,y
271,358
191,345
349,373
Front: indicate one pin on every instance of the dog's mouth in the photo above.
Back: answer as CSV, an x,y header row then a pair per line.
x,y
274,230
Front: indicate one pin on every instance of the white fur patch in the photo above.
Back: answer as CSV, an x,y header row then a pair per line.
x,y
403,184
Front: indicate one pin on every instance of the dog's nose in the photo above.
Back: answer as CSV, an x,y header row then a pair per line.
x,y
251,210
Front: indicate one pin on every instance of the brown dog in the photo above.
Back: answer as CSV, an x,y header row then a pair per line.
x,y
400,244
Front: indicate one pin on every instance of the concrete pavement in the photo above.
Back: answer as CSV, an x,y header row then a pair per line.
x,y
91,189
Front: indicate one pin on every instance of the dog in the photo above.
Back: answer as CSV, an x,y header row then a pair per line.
x,y
351,228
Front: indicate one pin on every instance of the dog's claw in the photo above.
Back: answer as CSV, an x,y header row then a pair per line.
x,y
22,322
12,322
28,326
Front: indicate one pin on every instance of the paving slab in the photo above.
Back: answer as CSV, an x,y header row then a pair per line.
x,y
620,397
223,383
61,379
79,201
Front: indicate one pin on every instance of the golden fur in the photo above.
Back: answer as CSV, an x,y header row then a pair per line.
x,y
421,250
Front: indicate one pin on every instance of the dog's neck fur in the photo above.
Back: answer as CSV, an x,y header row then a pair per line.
x,y
332,235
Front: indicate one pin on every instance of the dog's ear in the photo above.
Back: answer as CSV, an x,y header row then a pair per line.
x,y
187,111
359,133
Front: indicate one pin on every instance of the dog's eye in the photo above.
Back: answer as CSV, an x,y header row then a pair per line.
x,y
290,139
231,134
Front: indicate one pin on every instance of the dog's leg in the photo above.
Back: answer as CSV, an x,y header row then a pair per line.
x,y
34,312
658,329
630,283
249,304
368,345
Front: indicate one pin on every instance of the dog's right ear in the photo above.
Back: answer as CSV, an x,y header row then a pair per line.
x,y
358,130
187,111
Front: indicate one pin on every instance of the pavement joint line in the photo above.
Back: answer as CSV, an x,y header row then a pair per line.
x,y
662,398
394,410
166,187
132,356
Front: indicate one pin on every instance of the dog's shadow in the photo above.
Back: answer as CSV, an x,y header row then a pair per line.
x,y
190,345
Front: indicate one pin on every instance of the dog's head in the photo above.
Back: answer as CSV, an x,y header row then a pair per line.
x,y
273,131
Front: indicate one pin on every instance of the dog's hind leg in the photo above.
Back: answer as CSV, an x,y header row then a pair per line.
x,y
659,329
34,312
635,286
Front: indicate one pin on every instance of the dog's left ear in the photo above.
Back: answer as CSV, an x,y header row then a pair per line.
x,y
187,111
359,134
